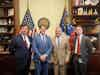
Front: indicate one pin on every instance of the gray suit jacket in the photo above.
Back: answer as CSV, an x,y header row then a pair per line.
x,y
85,49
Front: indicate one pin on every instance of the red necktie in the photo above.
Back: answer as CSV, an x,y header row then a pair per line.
x,y
78,46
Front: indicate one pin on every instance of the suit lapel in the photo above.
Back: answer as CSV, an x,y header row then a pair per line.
x,y
39,39
54,42
62,41
21,40
82,41
75,43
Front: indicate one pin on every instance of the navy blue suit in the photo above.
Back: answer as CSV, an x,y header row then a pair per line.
x,y
22,54
40,47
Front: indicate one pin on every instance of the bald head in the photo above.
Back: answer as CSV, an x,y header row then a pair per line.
x,y
58,31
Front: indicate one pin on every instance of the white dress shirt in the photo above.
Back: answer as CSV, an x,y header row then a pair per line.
x,y
25,38
43,38
76,44
58,41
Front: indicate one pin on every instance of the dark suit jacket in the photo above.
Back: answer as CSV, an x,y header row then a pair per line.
x,y
85,49
21,52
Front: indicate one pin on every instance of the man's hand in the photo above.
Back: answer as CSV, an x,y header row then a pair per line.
x,y
43,57
67,60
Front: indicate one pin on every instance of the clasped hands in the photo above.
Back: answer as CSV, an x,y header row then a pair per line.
x,y
43,57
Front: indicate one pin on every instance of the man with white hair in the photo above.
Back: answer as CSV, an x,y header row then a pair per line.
x,y
61,52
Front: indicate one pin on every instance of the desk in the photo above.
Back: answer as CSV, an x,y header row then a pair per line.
x,y
7,64
94,64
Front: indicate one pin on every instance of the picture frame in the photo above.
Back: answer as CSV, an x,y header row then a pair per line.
x,y
44,22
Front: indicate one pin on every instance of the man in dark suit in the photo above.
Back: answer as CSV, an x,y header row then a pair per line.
x,y
42,47
21,47
81,52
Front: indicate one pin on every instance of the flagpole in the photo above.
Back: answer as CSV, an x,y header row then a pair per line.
x,y
65,4
27,4
67,8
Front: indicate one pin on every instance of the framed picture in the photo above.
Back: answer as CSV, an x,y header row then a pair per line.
x,y
43,22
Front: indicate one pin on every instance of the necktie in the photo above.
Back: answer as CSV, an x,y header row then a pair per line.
x,y
58,41
78,45
43,42
25,42
43,38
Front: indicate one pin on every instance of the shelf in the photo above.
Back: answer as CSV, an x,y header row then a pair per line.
x,y
8,21
9,25
85,25
7,6
6,17
5,52
3,39
6,33
84,6
86,16
4,43
85,21
91,34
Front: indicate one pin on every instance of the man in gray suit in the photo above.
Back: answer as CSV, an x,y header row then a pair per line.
x,y
81,52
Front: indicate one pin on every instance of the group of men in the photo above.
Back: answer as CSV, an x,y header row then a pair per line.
x,y
46,50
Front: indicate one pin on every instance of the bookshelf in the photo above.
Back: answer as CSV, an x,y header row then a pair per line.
x,y
8,25
85,13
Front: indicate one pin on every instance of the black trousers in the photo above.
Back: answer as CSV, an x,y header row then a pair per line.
x,y
23,69
22,72
79,68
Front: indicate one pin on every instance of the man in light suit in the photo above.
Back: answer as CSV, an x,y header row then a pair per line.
x,y
81,52
61,52
20,47
42,47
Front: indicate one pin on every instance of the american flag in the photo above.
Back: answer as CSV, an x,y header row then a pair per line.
x,y
27,20
62,25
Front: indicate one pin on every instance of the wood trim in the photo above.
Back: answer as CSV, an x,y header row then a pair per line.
x,y
99,41
16,8
71,11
